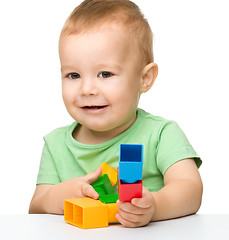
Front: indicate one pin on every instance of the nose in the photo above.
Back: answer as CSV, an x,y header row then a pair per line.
x,y
88,87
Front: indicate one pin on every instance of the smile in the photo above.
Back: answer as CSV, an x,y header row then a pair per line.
x,y
95,109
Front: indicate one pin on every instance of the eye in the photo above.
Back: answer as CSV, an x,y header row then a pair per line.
x,y
105,75
73,75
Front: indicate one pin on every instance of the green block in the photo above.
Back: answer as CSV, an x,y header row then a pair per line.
x,y
103,185
100,190
109,198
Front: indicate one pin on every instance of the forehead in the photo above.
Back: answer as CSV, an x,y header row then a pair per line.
x,y
115,31
107,40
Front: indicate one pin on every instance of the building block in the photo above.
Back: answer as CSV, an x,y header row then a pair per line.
x,y
100,191
130,162
130,172
112,211
109,198
86,213
103,185
112,174
89,213
127,191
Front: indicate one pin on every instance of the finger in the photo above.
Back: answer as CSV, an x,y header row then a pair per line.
x,y
145,201
129,207
125,222
91,177
131,217
88,191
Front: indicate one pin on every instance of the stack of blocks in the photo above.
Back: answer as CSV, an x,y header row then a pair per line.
x,y
130,171
89,213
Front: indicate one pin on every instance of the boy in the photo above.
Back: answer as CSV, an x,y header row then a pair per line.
x,y
106,59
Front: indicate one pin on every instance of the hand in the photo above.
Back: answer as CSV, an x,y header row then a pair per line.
x,y
50,198
138,212
78,187
83,184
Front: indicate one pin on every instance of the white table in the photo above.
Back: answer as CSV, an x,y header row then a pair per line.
x,y
50,227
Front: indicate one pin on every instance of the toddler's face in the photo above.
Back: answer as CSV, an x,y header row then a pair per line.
x,y
100,78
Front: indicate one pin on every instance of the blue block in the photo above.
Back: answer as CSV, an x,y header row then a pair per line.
x,y
130,162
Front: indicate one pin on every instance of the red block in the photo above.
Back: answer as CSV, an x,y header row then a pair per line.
x,y
127,191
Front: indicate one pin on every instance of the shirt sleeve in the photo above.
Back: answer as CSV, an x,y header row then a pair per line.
x,y
173,146
47,172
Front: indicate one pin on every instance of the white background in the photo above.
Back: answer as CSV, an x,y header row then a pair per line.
x,y
191,41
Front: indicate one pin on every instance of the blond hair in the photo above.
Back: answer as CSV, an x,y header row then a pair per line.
x,y
91,13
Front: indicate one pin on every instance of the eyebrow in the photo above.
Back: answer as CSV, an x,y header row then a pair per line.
x,y
102,65
66,67
109,65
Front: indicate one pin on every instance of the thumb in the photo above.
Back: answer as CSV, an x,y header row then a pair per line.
x,y
91,177
89,191
145,201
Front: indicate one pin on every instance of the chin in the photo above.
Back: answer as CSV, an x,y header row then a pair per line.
x,y
100,127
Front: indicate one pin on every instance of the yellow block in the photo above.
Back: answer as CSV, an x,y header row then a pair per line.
x,y
89,213
112,211
112,174
86,213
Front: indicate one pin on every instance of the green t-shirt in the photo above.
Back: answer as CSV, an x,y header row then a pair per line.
x,y
164,143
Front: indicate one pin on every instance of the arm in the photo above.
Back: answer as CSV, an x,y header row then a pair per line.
x,y
50,198
182,193
180,196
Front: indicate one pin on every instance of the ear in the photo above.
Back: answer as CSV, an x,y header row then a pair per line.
x,y
149,75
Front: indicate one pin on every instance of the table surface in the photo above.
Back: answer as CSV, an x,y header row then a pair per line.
x,y
46,226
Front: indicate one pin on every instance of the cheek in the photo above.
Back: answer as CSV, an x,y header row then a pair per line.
x,y
67,93
124,99
128,91
65,96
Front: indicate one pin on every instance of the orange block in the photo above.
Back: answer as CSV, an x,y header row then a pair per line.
x,y
112,211
89,213
86,213
112,174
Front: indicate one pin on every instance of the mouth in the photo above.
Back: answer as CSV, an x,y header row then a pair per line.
x,y
95,107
